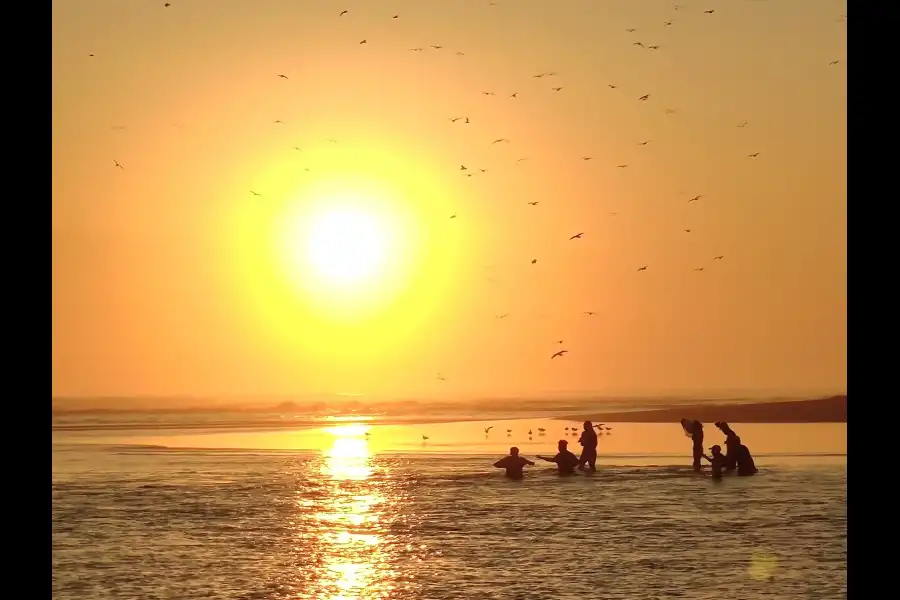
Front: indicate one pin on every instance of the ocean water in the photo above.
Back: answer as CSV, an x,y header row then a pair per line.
x,y
330,512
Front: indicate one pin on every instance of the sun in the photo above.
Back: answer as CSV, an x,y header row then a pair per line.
x,y
346,245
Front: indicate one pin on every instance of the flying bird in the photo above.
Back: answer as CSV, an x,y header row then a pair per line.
x,y
91,54
497,141
467,119
441,377
637,44
424,437
614,214
611,86
754,155
455,119
587,158
742,124
463,168
488,429
695,198
396,17
255,193
621,166
559,341
667,23
533,203
687,230
720,257
709,12
415,49
557,89
644,143
283,76
644,268
834,62
437,47
460,53
488,93
644,98
560,354
343,12
514,95
116,163
699,269
278,122
577,236
652,47
589,313
364,42
630,30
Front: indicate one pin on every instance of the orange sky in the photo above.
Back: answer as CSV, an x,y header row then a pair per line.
x,y
167,275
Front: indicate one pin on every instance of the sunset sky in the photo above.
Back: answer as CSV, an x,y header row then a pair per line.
x,y
170,276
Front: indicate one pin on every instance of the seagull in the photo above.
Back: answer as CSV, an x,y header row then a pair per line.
x,y
396,17
638,44
437,47
463,168
621,166
687,230
460,53
424,437
283,76
344,12
695,198
587,158
255,193
167,5
589,313
455,119
533,261
467,120
670,111
278,122
644,268
508,431
720,257
834,62
644,98
514,95
560,353
557,89
488,429
453,216
559,341
497,141
577,236
116,163
364,42
441,377
614,214
297,149
754,155
533,203
541,430
488,93
630,30
611,86
415,49
529,432
644,143
547,74
709,12
667,23
503,316
91,54
742,124
700,269
652,47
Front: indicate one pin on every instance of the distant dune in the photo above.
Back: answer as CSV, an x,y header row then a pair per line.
x,y
821,410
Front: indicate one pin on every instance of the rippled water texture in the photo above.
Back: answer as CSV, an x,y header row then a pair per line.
x,y
341,524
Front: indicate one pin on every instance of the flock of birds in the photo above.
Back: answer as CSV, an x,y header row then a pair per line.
x,y
463,120
541,431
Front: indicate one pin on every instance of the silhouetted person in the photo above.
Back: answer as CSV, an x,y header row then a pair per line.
x,y
513,464
745,464
696,433
588,441
565,460
732,443
717,460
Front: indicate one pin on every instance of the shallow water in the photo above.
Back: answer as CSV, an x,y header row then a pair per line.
x,y
347,522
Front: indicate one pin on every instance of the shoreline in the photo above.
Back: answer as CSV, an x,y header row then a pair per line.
x,y
820,410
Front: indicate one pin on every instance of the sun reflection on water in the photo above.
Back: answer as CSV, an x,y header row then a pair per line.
x,y
352,553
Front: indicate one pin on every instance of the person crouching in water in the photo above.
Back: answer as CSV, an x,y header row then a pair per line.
x,y
514,464
588,441
565,460
732,443
717,460
745,464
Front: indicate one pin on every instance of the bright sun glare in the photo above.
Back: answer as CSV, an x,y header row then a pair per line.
x,y
346,245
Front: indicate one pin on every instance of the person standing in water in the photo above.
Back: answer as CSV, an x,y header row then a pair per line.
x,y
588,441
514,464
745,464
696,432
565,460
732,443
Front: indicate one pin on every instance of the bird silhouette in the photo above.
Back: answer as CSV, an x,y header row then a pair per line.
x,y
611,86
586,158
652,47
488,429
644,98
720,257
116,163
557,89
559,341
687,230
695,198
455,119
487,93
255,193
364,42
667,23
343,12
621,166
415,49
577,236
497,141
699,269
637,44
754,155
533,203
644,143
514,96
533,261
709,12
437,47
278,122
453,216
560,353
631,30
834,62
424,438
742,124
441,377
283,76
644,268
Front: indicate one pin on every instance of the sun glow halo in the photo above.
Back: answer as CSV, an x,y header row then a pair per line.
x,y
346,245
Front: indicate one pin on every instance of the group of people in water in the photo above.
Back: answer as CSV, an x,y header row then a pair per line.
x,y
737,456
